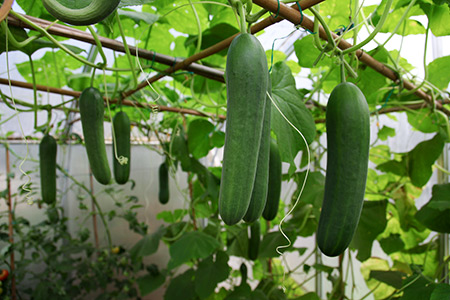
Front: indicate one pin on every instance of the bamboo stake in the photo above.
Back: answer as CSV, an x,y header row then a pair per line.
x,y
294,17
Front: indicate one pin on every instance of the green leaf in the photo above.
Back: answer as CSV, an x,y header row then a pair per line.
x,y
270,242
417,288
180,287
422,157
192,245
308,296
392,278
392,243
439,18
210,273
372,222
307,53
138,16
147,245
435,214
150,282
289,101
441,292
33,8
437,74
199,141
386,132
237,240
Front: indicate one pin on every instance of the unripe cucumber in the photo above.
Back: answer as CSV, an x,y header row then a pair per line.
x,y
246,79
121,143
94,12
47,165
275,178
254,240
348,139
260,186
163,195
92,111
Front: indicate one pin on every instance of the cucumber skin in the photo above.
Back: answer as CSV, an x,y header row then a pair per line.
x,y
247,82
47,165
163,195
275,178
348,140
122,131
259,194
254,240
91,112
95,12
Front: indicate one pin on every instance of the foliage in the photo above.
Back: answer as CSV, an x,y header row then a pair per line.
x,y
71,267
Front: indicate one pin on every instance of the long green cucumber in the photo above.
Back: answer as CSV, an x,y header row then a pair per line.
x,y
121,143
274,191
47,165
85,12
92,111
254,240
260,186
348,140
163,176
246,79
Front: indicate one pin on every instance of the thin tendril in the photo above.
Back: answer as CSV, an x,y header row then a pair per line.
x,y
301,190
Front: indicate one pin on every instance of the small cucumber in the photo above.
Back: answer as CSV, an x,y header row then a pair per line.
x,y
254,240
88,13
47,165
348,140
121,143
275,178
246,79
163,195
92,111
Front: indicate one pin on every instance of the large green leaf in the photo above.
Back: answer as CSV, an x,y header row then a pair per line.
x,y
421,159
289,101
372,222
441,292
150,282
392,278
192,245
437,70
211,272
270,243
435,214
417,288
147,245
439,18
199,140
180,287
307,53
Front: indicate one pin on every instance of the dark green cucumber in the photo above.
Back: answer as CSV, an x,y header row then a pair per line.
x,y
92,111
260,186
121,143
274,191
47,165
246,78
348,139
254,240
71,12
163,194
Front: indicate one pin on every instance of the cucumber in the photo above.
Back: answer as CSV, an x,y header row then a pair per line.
x,y
163,194
91,112
246,79
47,165
121,143
254,240
274,191
348,139
88,13
260,186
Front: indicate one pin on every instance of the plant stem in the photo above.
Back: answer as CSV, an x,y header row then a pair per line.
x,y
127,50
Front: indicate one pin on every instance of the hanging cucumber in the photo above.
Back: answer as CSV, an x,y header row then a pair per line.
x,y
246,79
254,240
348,139
91,112
121,143
47,165
260,186
274,191
87,13
163,195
